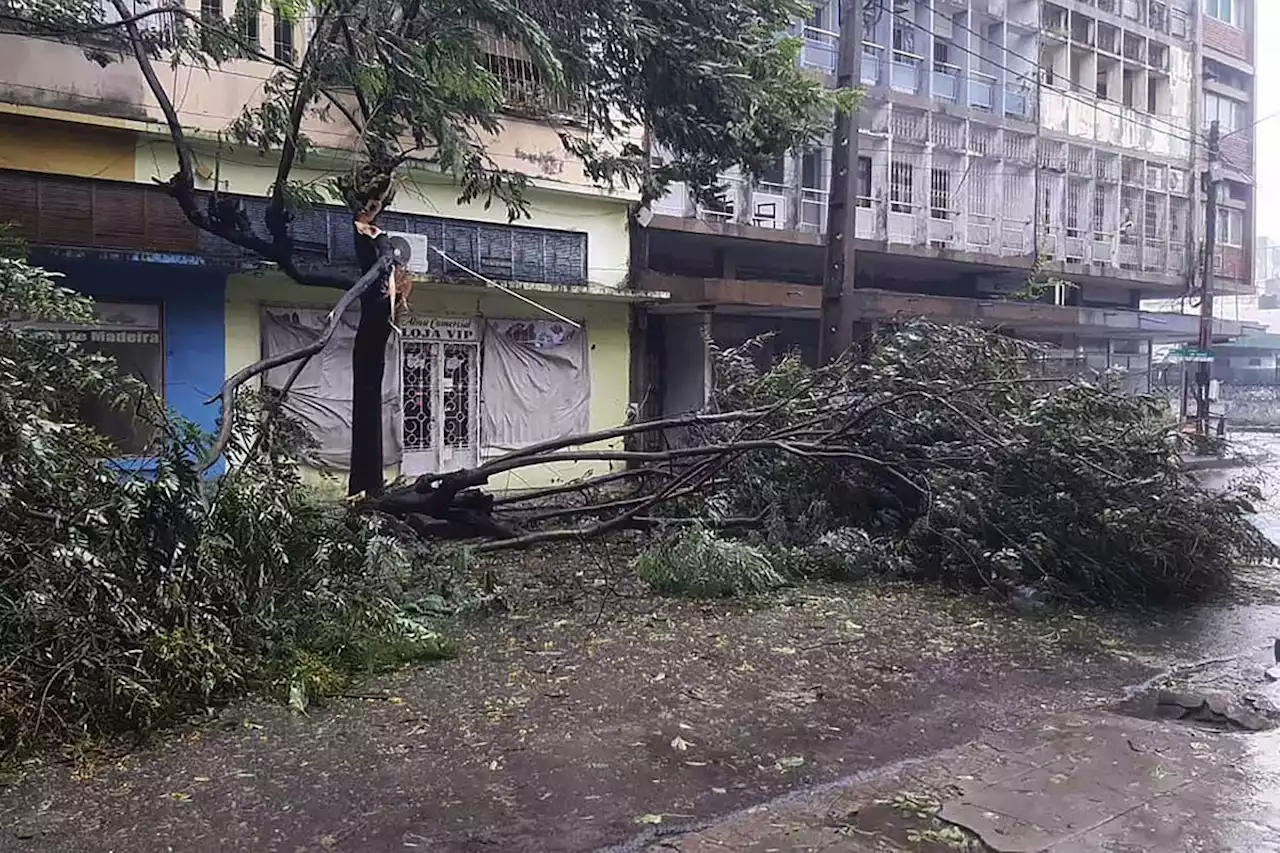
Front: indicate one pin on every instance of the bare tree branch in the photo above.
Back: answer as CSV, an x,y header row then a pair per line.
x,y
182,186
227,393
582,484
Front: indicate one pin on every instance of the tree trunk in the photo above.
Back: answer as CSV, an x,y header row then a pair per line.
x,y
368,364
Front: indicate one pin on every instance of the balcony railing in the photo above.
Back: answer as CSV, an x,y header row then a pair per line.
x,y
982,90
872,64
813,210
160,30
904,72
821,48
771,205
946,81
1017,100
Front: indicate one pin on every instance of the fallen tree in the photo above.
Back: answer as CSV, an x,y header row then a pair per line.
x,y
128,600
946,453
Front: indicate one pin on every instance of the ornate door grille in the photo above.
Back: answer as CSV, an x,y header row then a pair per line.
x,y
440,383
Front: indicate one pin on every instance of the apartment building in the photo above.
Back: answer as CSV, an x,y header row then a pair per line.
x,y
476,370
998,138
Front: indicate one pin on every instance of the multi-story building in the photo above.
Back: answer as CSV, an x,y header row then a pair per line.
x,y
998,138
476,371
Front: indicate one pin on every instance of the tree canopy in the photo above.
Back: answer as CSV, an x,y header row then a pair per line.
x,y
713,83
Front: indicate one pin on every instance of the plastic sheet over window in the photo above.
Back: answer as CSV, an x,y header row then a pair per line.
x,y
535,382
321,396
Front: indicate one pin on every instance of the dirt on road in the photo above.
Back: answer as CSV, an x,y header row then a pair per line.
x,y
585,720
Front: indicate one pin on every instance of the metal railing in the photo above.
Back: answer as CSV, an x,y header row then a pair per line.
x,y
904,72
522,89
982,90
771,205
821,48
813,210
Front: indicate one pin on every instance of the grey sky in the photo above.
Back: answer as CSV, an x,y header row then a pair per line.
x,y
1268,88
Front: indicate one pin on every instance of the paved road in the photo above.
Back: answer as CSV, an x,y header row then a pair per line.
x,y
1076,783
1081,782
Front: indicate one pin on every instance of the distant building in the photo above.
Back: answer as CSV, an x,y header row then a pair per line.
x,y
1266,267
1248,361
997,136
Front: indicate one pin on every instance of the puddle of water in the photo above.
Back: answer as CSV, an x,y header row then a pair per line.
x,y
1250,822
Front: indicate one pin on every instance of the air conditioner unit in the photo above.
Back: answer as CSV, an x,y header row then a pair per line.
x,y
413,251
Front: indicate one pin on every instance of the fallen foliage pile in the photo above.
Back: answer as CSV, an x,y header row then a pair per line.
x,y
946,454
128,599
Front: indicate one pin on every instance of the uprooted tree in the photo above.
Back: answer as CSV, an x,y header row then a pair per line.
x,y
943,453
708,80
946,454
128,601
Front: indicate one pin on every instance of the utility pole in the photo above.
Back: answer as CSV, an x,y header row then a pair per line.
x,y
838,280
1203,368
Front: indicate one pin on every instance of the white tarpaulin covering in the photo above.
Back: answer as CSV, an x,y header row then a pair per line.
x,y
534,381
321,396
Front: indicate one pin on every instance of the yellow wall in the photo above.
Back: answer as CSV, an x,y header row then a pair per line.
x,y
61,148
602,219
607,340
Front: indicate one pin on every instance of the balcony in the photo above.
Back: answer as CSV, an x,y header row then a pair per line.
x,y
982,90
946,81
48,74
820,49
904,72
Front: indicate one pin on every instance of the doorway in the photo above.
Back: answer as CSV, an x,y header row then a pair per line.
x,y
440,386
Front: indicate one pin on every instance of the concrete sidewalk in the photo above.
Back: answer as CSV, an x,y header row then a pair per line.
x,y
1087,781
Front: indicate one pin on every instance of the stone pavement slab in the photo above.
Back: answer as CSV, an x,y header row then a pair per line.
x,y
1077,783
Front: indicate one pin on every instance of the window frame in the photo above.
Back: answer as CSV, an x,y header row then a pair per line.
x,y
279,25
1236,110
1227,217
1229,12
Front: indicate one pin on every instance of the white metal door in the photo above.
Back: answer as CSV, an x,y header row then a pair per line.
x,y
440,384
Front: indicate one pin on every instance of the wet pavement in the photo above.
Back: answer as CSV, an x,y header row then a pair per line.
x,y
1174,766
554,737
1080,782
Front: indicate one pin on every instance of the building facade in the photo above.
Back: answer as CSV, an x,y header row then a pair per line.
x,y
476,371
998,138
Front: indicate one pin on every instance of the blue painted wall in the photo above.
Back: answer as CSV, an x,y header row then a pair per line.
x,y
194,299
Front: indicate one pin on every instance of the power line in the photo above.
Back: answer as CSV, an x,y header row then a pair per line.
x,y
1251,126
1068,92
